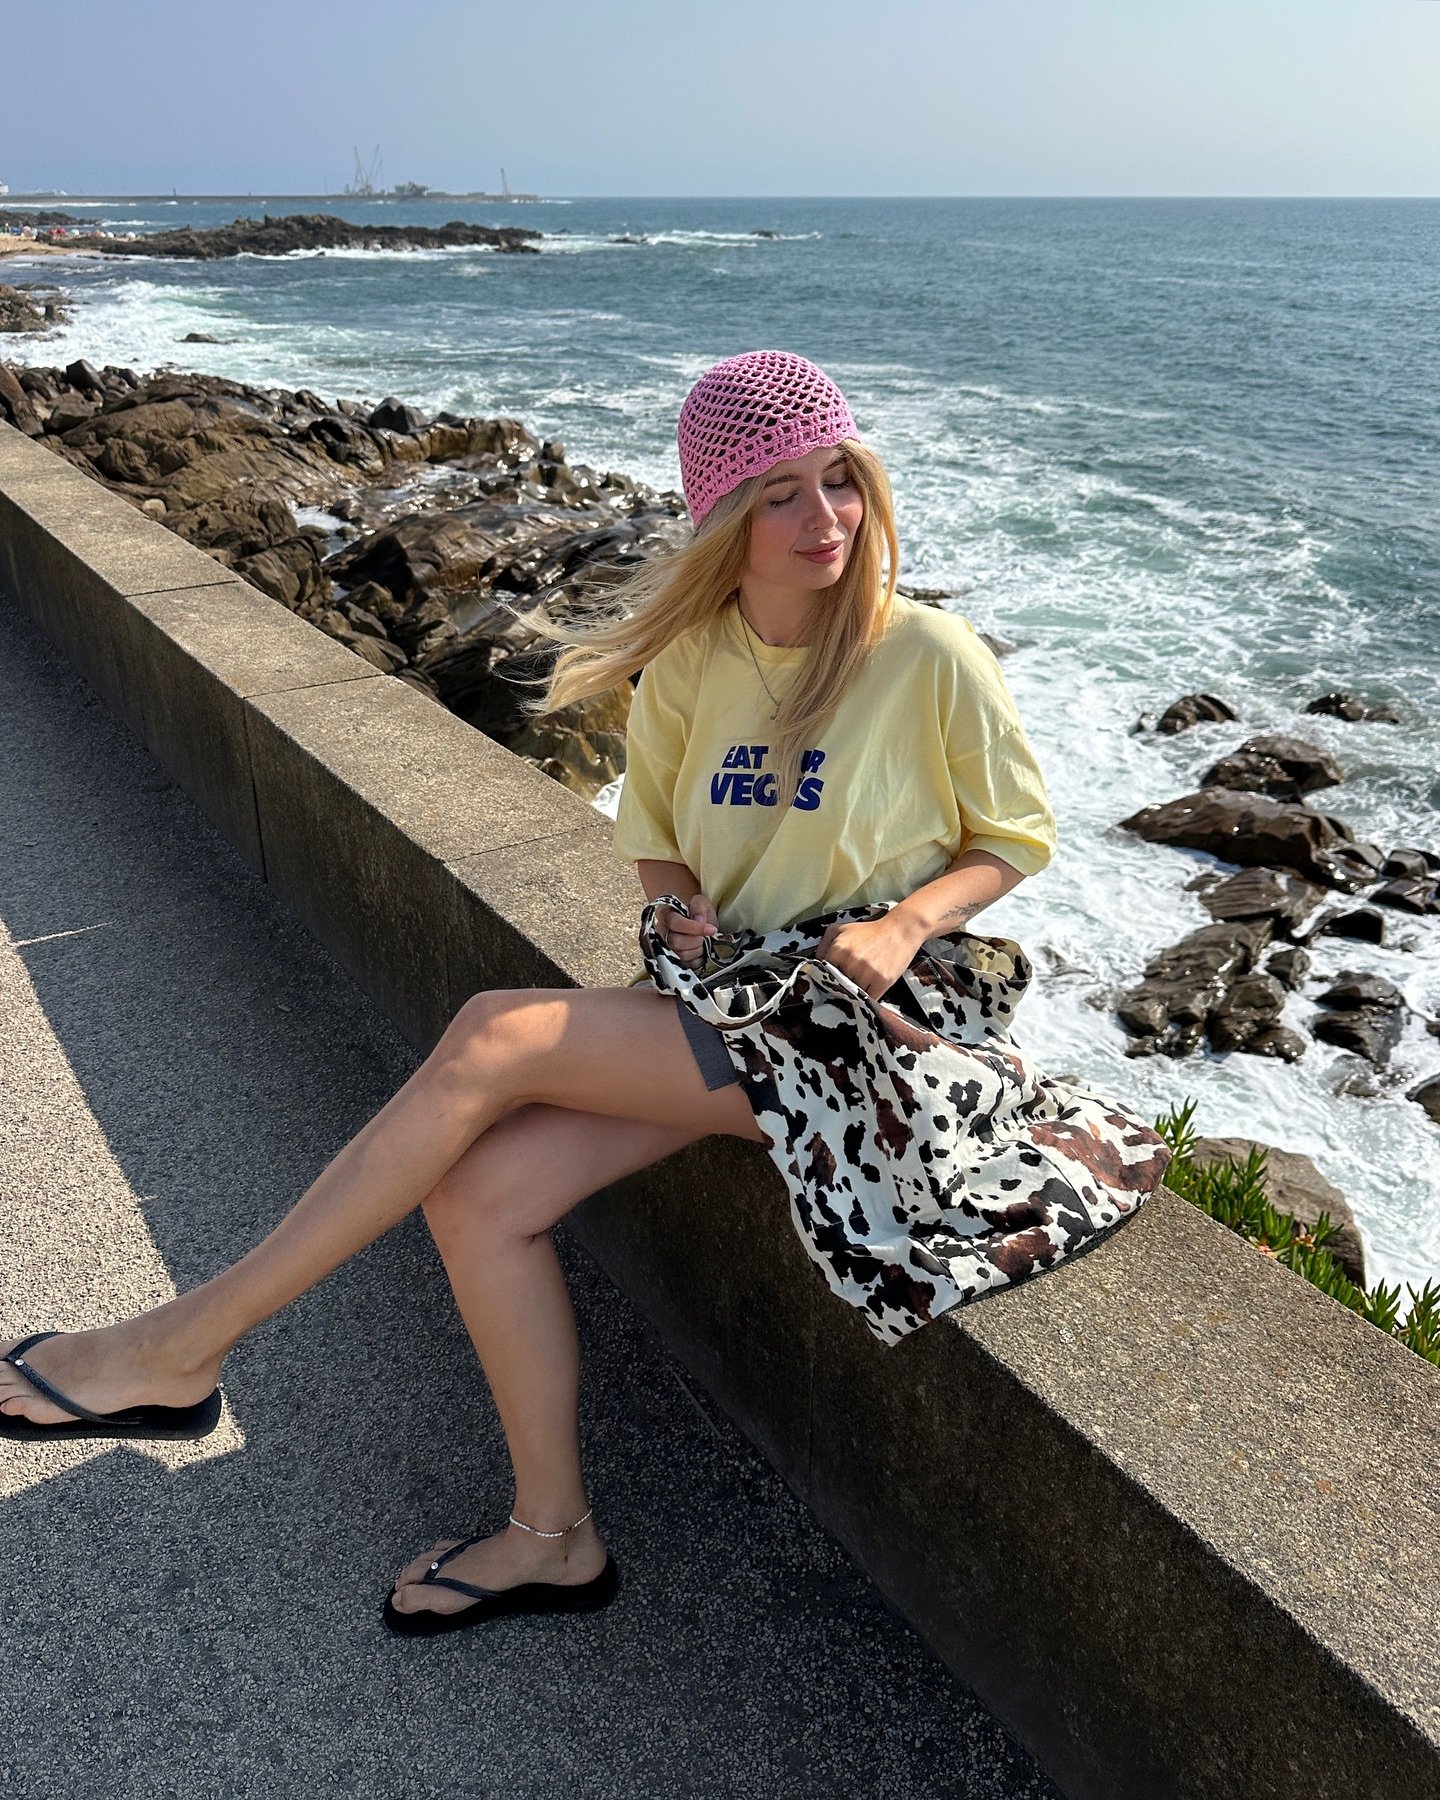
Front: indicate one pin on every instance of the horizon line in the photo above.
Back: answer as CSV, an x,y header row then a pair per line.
x,y
34,197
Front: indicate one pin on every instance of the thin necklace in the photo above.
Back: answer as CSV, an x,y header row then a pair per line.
x,y
749,634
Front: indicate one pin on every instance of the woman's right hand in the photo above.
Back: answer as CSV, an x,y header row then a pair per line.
x,y
686,937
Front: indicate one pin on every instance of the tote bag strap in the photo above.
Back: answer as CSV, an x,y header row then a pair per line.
x,y
757,971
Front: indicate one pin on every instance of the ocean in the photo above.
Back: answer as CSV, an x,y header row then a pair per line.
x,y
1158,445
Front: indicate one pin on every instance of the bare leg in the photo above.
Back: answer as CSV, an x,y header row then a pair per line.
x,y
617,1052
489,1218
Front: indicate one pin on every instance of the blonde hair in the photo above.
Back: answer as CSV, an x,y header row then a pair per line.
x,y
676,591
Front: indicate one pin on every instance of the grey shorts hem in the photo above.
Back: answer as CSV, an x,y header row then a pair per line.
x,y
713,1058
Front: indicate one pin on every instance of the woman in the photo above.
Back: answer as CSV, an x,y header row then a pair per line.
x,y
801,741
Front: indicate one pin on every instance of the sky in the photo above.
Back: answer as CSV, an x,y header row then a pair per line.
x,y
748,97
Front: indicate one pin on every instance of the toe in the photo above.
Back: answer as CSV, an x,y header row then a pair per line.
x,y
415,1569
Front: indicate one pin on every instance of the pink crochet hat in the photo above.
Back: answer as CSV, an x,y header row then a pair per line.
x,y
750,412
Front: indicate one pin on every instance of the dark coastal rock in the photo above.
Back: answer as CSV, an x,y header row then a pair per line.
x,y
1427,1094
1190,709
1352,1076
16,406
85,376
42,220
1290,965
1365,1014
31,307
1415,863
69,411
1409,894
1353,865
393,415
1188,983
1295,1186
1370,1031
1354,988
1352,709
1251,1007
1249,829
314,231
1285,767
1275,894
1362,923
436,583
199,337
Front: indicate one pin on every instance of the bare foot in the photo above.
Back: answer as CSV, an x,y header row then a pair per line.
x,y
505,1560
107,1370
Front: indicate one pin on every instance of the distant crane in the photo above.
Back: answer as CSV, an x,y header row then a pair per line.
x,y
363,187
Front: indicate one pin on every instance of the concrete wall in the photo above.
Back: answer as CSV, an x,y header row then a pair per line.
x,y
1169,1511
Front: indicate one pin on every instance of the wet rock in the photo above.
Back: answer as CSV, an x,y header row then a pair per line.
x,y
1427,1094
1354,1077
1278,1041
1351,865
1275,764
1190,709
1370,1031
1354,987
199,337
1351,708
582,746
1251,1007
1249,829
1409,894
1362,923
1188,983
1290,965
1253,775
1275,894
1294,1185
1365,1014
289,572
1415,863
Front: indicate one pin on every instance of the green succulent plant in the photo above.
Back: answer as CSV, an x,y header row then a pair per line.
x,y
1234,1192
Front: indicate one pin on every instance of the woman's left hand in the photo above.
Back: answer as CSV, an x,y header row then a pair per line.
x,y
874,953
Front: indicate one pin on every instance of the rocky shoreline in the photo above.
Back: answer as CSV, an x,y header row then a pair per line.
x,y
1227,983
32,307
418,542
422,542
283,235
55,233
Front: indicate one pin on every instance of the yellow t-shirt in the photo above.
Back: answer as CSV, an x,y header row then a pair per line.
x,y
924,759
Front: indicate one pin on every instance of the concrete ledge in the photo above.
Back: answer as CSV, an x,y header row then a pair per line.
x,y
1169,1511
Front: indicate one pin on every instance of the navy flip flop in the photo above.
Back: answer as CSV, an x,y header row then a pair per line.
x,y
492,1603
139,1422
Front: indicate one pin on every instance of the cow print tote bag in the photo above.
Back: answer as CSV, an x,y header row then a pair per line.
x,y
927,1164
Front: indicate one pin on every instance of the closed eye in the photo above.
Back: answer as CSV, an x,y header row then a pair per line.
x,y
831,487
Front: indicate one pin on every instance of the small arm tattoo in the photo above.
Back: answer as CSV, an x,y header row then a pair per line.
x,y
957,915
